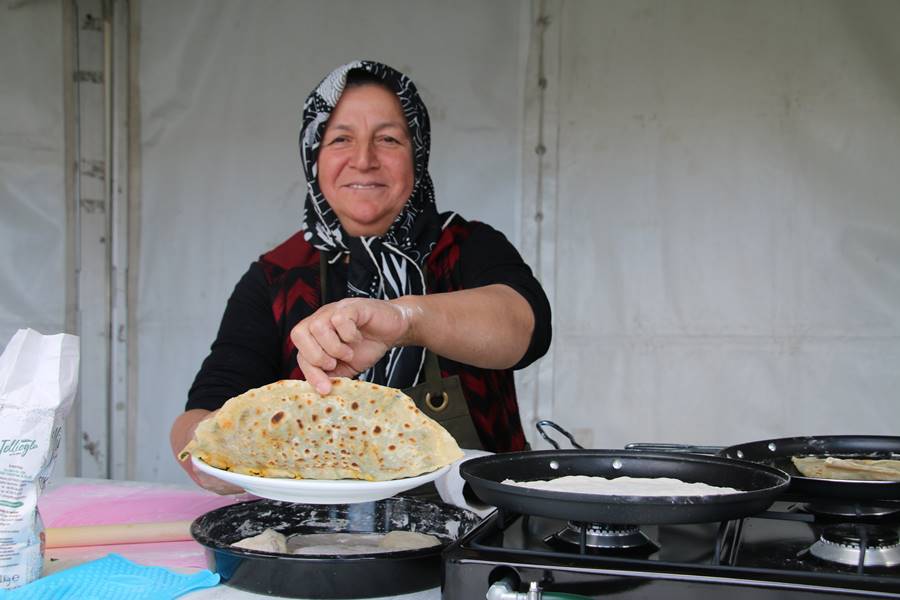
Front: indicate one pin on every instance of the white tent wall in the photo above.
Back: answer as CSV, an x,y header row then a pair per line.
x,y
33,236
222,87
32,200
727,241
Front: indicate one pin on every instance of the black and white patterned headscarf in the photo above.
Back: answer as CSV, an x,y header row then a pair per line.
x,y
391,265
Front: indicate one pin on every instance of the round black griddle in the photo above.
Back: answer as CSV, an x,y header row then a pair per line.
x,y
777,453
759,485
329,576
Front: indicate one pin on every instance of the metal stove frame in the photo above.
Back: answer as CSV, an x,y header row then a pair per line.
x,y
473,564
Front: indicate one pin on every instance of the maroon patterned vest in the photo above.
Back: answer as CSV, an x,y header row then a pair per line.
x,y
292,272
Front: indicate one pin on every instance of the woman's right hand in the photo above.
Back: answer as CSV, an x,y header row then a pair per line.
x,y
182,433
347,337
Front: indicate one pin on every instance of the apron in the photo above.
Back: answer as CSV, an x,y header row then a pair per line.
x,y
441,398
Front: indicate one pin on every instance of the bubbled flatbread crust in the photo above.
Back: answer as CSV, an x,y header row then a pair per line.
x,y
857,469
359,431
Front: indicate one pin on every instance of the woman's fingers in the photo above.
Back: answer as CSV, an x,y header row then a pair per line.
x,y
308,349
312,358
345,338
344,322
326,336
317,341
316,377
343,370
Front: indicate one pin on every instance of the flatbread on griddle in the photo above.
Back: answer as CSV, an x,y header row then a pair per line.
x,y
624,486
858,469
359,431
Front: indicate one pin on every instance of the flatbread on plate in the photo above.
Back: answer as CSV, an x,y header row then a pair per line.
x,y
359,431
859,469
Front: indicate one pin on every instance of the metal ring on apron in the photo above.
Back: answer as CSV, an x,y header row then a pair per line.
x,y
445,401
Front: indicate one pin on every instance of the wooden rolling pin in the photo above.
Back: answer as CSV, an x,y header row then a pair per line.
x,y
125,533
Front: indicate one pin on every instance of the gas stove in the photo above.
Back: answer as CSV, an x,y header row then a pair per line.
x,y
799,548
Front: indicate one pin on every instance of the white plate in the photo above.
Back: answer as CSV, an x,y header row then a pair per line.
x,y
318,491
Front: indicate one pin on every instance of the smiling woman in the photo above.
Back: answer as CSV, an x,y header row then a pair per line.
x,y
379,285
365,164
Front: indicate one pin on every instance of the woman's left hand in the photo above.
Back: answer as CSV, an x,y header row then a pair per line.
x,y
344,338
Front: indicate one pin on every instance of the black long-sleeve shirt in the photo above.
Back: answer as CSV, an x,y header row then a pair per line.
x,y
247,351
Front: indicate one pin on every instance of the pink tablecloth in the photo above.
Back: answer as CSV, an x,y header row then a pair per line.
x,y
110,503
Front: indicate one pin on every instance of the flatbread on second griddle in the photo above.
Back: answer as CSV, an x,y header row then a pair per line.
x,y
359,431
857,469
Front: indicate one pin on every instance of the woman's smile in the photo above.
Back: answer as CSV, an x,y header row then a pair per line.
x,y
365,186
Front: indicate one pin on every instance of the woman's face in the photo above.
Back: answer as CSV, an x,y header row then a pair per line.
x,y
365,163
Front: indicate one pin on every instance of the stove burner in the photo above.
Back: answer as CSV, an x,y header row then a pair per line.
x,y
842,543
602,537
852,510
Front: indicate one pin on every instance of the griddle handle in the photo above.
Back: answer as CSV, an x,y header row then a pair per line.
x,y
545,423
677,448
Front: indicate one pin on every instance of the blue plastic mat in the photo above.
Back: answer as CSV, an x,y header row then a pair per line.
x,y
112,577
